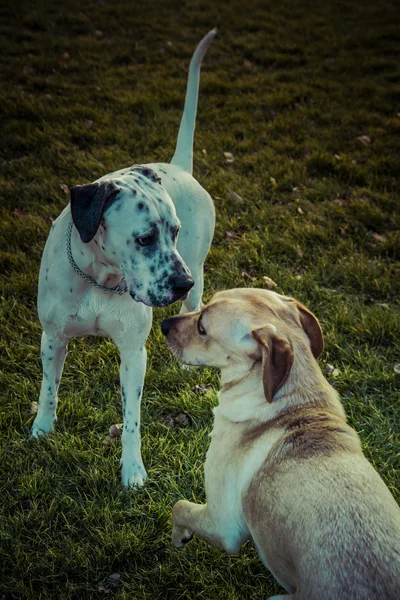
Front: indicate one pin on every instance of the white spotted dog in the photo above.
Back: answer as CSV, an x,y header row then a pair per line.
x,y
284,469
114,253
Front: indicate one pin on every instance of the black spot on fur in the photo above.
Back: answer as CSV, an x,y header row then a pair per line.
x,y
147,172
154,300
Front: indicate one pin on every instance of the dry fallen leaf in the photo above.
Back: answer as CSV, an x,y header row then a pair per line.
x,y
229,158
34,408
270,283
236,198
231,235
273,182
114,433
247,63
65,56
337,156
204,151
112,581
64,188
99,33
379,238
88,123
175,419
299,252
300,210
364,139
17,213
331,370
202,388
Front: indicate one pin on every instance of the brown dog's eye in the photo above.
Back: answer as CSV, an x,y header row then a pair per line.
x,y
200,328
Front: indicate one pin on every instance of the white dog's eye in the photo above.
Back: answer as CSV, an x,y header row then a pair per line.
x,y
200,328
145,240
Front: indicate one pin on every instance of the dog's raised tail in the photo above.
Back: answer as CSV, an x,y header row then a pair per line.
x,y
183,156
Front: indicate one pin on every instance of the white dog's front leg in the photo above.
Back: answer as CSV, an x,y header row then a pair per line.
x,y
132,371
53,351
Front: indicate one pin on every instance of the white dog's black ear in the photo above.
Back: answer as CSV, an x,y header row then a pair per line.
x,y
87,206
312,328
277,359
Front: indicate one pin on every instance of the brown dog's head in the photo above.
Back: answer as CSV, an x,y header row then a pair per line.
x,y
241,326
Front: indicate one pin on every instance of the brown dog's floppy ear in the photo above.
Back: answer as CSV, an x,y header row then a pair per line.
x,y
88,204
312,328
277,360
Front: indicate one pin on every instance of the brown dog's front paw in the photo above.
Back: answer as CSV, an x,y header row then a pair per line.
x,y
181,535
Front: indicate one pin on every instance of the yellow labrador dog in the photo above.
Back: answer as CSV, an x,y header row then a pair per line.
x,y
284,469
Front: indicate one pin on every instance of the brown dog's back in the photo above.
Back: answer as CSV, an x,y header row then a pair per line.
x,y
337,517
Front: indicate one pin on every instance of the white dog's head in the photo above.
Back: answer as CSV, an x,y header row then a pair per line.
x,y
243,326
133,222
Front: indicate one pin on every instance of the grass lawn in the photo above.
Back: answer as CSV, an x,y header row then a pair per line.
x,y
288,88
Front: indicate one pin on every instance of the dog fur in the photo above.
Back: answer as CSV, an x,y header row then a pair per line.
x,y
125,232
284,469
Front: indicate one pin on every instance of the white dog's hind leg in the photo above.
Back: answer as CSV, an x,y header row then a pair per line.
x,y
132,371
53,351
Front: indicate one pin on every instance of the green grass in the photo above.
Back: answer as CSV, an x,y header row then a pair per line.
x,y
287,88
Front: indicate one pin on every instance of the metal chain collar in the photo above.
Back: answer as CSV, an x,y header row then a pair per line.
x,y
119,289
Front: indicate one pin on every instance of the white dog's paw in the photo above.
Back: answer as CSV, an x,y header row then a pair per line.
x,y
42,427
133,474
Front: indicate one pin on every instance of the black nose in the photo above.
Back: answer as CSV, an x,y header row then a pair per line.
x,y
165,326
181,285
